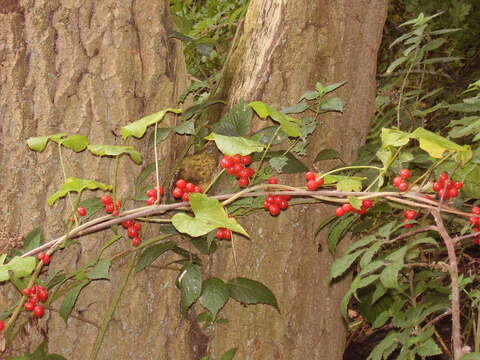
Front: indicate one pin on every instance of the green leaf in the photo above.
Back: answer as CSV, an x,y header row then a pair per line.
x,y
429,348
209,215
396,64
236,122
327,154
289,125
278,163
76,143
333,104
215,294
76,185
70,299
100,271
441,60
206,244
19,266
360,243
389,275
385,347
186,128
33,240
310,95
229,355
393,137
343,264
293,165
162,134
151,253
92,205
345,183
355,202
248,291
332,87
295,109
138,128
338,230
265,135
146,172
231,145
116,150
39,143
471,356
190,283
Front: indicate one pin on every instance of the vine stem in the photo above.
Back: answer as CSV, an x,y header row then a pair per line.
x,y
453,270
157,175
262,160
64,173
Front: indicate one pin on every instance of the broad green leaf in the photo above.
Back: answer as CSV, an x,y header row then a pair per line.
x,y
138,128
343,264
385,155
236,122
190,283
198,108
76,143
393,137
33,240
265,135
327,154
209,215
248,291
441,60
361,243
162,134
385,347
338,230
369,254
332,87
77,185
215,294
436,145
471,356
70,299
278,163
100,271
151,253
295,109
19,266
345,183
333,104
292,166
396,64
464,107
289,125
389,275
115,150
186,128
231,145
229,354
39,143
310,95
355,202
429,348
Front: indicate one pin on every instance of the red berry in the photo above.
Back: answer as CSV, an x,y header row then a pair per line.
x,y
132,232
136,241
41,255
38,311
443,177
458,185
115,212
181,184
106,199
127,223
347,208
405,174
42,296
237,158
137,226
310,176
231,170
270,198
151,201
185,196
243,181
312,185
476,241
250,172
272,180
246,160
407,226
320,181
410,214
453,192
2,325
397,181
33,299
219,233
243,173
197,189
152,193
109,208
283,204
286,197
266,204
227,234
226,162
367,203
476,210
339,211
81,211
274,209
238,168
45,259
190,187
475,220
177,193
28,306
118,204
403,186
437,186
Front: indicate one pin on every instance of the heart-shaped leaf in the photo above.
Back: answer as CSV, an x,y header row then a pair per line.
x,y
138,128
77,185
115,150
76,143
288,124
19,266
39,143
231,145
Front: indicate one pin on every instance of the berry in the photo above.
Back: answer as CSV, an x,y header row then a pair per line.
x,y
181,184
407,226
127,223
476,210
237,158
231,170
397,181
453,192
136,241
272,180
339,211
250,172
475,220
137,226
266,204
283,204
405,174
185,197
118,204
177,192
197,189
28,306
312,185
458,185
152,193
219,233
274,209
106,199
27,292
437,186
109,208
42,296
151,201
246,160
243,181
132,232
226,162
410,214
2,325
33,299
46,259
320,181
403,186
190,187
443,177
38,311
367,203
310,176
347,208
243,173
115,212
237,168
81,211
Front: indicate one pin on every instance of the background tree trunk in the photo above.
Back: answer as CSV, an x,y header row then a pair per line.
x,y
285,48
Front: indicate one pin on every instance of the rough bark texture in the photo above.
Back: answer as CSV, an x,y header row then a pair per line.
x,y
285,48
87,67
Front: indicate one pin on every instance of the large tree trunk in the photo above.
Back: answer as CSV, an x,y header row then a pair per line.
x,y
285,48
87,67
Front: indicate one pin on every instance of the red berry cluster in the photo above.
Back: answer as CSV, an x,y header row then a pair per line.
x,y
183,188
277,203
223,233
2,325
237,165
81,211
35,294
446,188
133,231
409,215
313,182
475,220
109,206
153,194
44,258
346,208
400,181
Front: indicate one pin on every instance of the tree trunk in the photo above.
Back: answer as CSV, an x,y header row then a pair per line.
x,y
285,48
84,67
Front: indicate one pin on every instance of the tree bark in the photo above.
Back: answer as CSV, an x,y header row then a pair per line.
x,y
285,48
85,67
